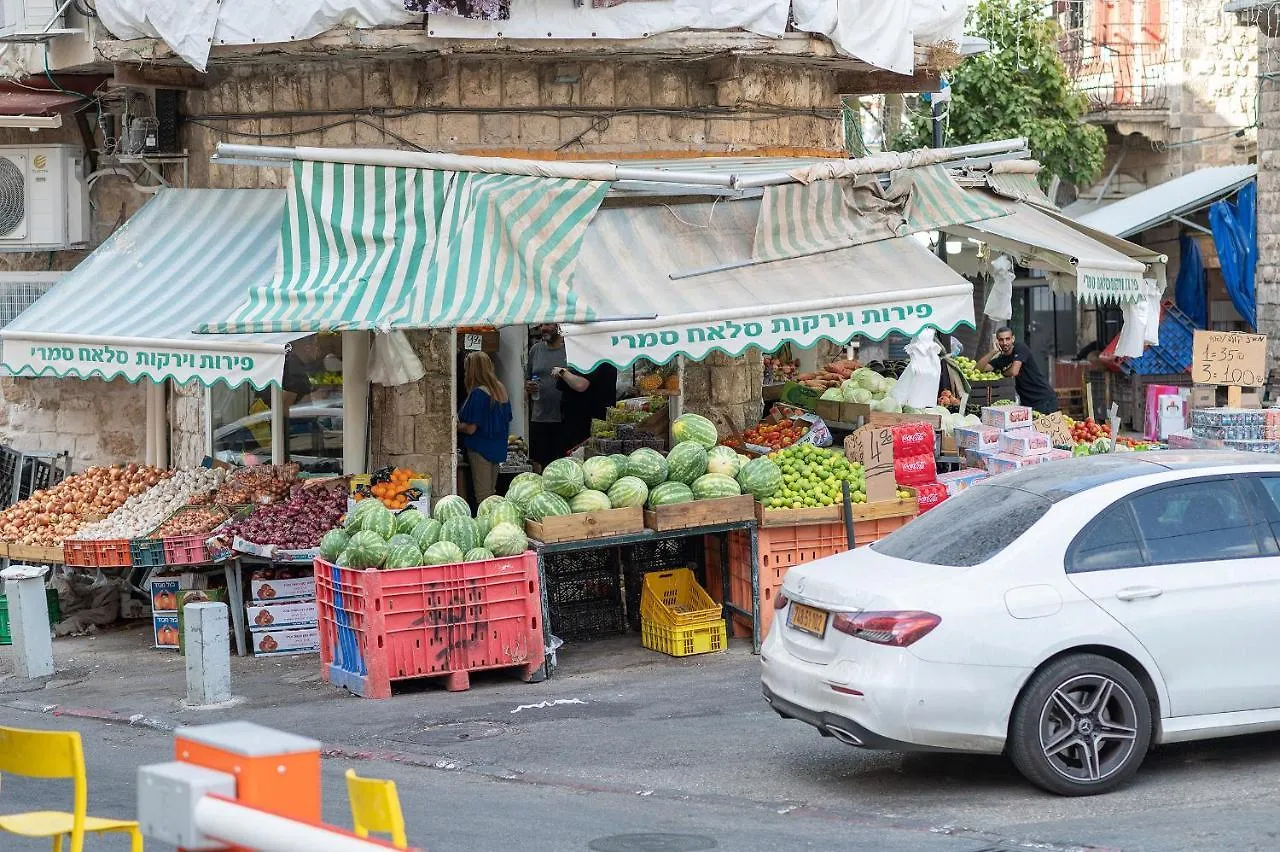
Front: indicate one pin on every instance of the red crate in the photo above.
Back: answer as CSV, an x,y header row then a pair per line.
x,y
112,553
79,553
185,550
379,626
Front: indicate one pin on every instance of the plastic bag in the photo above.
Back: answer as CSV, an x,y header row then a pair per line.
x,y
999,305
918,386
394,362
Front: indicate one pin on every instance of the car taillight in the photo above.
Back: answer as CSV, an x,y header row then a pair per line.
x,y
899,629
780,601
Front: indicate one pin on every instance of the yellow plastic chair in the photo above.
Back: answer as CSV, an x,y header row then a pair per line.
x,y
375,806
57,755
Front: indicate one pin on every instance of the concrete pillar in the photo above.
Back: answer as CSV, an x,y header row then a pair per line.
x,y
29,621
355,401
208,653
515,344
279,426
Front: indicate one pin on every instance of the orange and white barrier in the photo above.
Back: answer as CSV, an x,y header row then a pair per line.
x,y
249,828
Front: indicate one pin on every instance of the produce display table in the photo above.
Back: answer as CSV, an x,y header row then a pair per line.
x,y
650,536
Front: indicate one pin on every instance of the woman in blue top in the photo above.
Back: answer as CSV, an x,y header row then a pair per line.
x,y
483,422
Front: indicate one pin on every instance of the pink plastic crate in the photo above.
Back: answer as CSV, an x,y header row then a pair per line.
x,y
379,626
185,550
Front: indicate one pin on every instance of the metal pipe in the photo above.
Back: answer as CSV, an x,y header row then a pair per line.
x,y
945,155
234,823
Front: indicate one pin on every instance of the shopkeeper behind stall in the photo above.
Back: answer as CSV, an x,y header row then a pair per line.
x,y
546,439
584,397
484,423
1014,359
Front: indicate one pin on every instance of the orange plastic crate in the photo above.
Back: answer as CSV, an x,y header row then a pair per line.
x,y
112,553
80,554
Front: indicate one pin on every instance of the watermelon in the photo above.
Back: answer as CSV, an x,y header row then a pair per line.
x,y
619,459
477,554
462,532
669,494
527,476
723,460
451,506
715,485
367,549
649,466
343,560
590,501
333,543
403,556
427,533
695,427
508,513
366,505
506,540
442,553
600,472
563,477
488,504
546,504
627,492
401,539
761,478
522,491
483,525
408,519
379,520
686,462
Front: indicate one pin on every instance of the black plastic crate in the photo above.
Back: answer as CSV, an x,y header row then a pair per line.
x,y
587,619
583,575
640,559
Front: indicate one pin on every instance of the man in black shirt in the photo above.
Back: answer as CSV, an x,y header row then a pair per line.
x,y
1014,359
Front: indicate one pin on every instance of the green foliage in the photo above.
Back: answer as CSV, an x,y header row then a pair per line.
x,y
1018,88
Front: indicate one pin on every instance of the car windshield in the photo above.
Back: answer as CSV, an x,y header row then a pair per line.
x,y
967,529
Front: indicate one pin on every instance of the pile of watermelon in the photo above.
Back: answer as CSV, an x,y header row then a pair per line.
x,y
372,536
695,469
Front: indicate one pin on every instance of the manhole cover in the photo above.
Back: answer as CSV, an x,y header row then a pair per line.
x,y
652,843
451,734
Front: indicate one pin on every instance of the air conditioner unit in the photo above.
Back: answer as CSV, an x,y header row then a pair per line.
x,y
44,198
21,18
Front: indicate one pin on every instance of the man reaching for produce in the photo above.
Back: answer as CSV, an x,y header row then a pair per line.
x,y
1014,360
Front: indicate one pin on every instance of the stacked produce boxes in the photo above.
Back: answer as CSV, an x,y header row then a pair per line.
x,y
281,611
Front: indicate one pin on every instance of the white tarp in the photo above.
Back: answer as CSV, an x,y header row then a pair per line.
x,y
878,32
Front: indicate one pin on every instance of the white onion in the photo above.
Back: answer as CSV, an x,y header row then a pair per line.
x,y
143,512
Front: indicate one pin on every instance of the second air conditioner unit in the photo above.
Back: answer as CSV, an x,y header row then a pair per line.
x,y
29,18
44,198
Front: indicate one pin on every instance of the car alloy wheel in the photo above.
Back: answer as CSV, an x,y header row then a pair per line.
x,y
1081,727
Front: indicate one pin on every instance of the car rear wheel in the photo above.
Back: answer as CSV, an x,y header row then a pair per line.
x,y
1082,726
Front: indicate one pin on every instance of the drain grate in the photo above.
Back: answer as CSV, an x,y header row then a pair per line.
x,y
453,733
652,843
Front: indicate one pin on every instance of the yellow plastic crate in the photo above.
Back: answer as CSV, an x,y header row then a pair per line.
x,y
702,638
675,599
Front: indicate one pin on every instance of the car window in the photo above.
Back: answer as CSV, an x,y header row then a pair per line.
x,y
1195,521
967,529
1109,541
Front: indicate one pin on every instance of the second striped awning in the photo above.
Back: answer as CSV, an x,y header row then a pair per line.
x,y
380,247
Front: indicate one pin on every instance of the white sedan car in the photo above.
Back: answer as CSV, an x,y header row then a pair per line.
x,y
1070,615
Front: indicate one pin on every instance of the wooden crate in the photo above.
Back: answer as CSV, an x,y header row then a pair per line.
x,y
701,513
34,553
586,525
886,509
797,517
887,418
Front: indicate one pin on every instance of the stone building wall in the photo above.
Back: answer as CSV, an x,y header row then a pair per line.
x,y
1268,272
412,426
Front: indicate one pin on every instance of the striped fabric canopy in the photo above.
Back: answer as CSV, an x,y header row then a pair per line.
x,y
799,219
379,247
1020,186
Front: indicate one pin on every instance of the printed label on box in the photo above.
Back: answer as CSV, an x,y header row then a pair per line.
x,y
1004,462
1007,416
166,632
164,595
1025,442
959,480
300,641
274,616
977,437
283,588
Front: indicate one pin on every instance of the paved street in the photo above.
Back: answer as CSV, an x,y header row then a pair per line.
x,y
638,745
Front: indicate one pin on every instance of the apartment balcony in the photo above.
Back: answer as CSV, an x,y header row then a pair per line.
x,y
1122,69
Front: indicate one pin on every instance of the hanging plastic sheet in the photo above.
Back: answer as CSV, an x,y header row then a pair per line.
x,y
1235,236
1190,287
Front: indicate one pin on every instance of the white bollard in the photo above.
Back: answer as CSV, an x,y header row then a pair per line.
x,y
29,620
208,654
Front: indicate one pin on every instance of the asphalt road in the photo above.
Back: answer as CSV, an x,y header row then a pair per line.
x,y
671,755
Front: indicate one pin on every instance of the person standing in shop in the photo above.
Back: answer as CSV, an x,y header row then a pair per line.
x,y
546,439
1015,360
484,422
584,397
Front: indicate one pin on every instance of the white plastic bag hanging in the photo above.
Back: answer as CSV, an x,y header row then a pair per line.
x,y
394,362
918,386
999,304
1154,293
1133,333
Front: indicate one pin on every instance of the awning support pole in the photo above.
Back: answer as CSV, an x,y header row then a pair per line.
x,y
355,401
279,426
1192,225
157,425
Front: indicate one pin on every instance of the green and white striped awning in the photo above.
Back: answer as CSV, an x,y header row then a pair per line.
x,y
129,309
381,247
798,219
1019,186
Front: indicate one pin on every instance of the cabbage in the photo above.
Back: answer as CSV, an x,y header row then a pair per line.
x,y
890,405
832,395
865,377
937,409
859,395
889,383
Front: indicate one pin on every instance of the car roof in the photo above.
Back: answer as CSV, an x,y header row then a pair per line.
x,y
1058,480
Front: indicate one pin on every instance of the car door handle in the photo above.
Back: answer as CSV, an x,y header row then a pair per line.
x,y
1134,593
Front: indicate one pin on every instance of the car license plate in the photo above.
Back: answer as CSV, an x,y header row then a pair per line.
x,y
807,619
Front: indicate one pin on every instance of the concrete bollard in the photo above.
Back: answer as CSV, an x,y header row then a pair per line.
x,y
208,654
29,620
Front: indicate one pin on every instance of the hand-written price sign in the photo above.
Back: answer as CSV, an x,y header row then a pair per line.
x,y
1055,427
872,447
1229,358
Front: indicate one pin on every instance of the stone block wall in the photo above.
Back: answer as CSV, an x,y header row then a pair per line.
x,y
725,389
97,422
412,426
1268,273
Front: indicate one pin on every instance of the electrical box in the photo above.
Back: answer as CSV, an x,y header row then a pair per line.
x,y
44,198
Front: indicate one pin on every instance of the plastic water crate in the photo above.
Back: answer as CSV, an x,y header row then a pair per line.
x,y
147,552
674,599
185,550
439,621
704,638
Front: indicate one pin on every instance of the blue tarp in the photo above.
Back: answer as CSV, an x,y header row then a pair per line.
x,y
1235,236
1190,288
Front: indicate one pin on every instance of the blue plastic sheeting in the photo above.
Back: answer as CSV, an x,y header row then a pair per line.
x,y
1235,235
1190,288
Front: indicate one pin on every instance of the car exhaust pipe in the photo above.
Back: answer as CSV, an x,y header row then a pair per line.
x,y
844,736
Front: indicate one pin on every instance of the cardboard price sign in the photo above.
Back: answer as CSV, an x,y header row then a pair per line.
x,y
872,447
1229,358
1055,426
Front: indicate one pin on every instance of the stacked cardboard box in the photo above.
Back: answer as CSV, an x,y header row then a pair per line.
x,y
281,612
